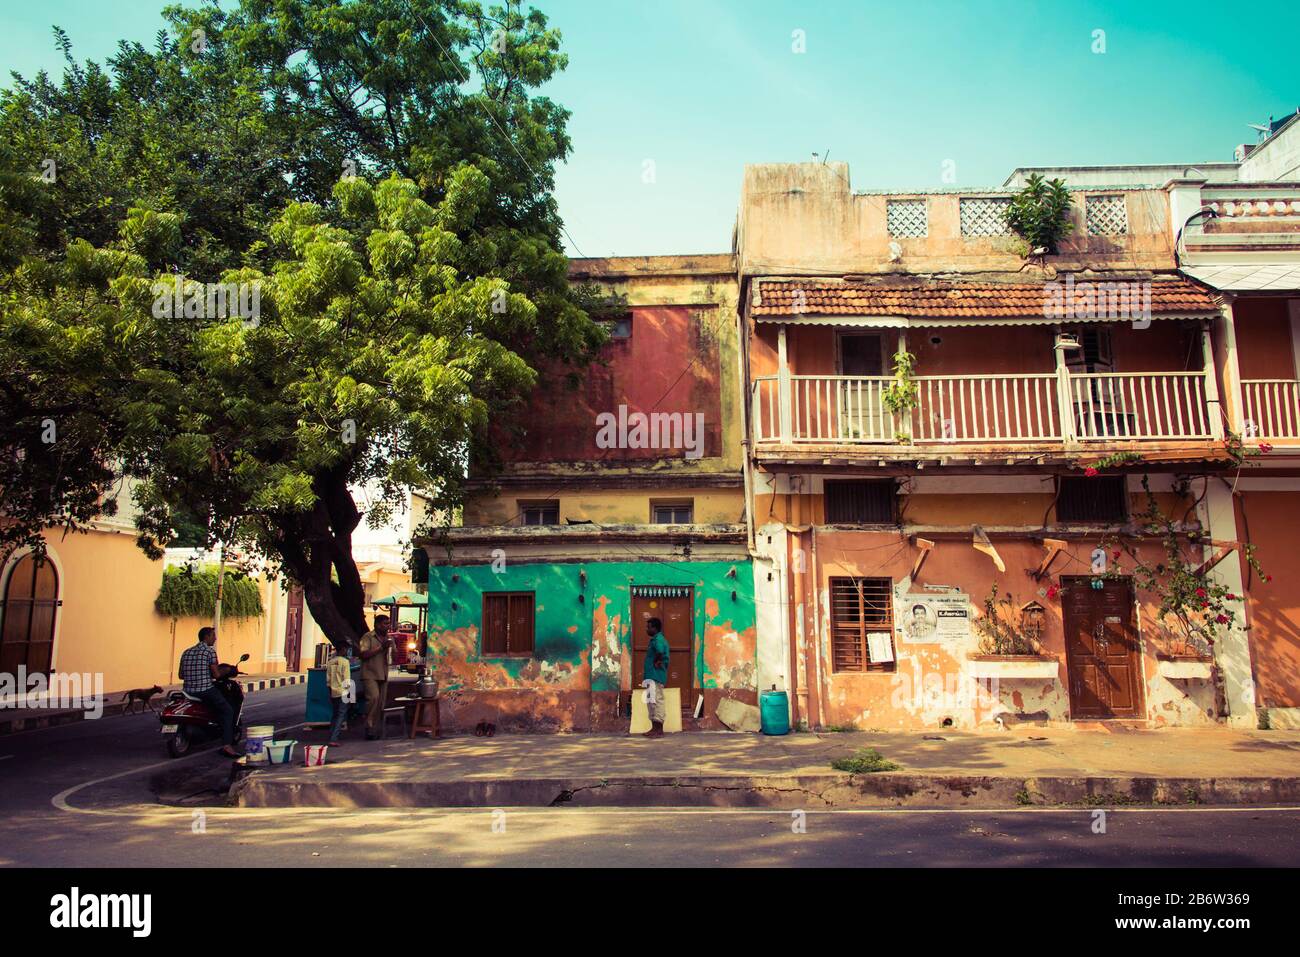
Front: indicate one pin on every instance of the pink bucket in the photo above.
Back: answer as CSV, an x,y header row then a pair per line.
x,y
313,755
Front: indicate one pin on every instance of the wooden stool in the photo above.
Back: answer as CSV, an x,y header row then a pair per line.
x,y
426,718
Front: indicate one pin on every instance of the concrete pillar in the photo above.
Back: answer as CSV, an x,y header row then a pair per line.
x,y
772,610
1232,650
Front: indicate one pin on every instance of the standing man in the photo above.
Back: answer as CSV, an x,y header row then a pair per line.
x,y
199,673
374,674
338,673
656,675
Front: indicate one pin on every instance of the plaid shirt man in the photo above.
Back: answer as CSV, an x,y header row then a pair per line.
x,y
196,667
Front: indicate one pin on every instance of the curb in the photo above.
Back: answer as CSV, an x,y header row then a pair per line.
x,y
295,788
115,708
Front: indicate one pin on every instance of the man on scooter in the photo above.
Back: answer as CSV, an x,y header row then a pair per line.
x,y
199,673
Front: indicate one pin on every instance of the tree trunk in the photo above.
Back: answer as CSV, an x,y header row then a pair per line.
x,y
316,547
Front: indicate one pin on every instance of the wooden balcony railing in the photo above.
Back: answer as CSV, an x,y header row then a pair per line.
x,y
989,409
1271,409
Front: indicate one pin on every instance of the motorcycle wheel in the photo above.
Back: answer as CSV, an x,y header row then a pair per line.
x,y
179,744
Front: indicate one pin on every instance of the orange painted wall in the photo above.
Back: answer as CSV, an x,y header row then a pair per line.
x,y
1274,607
1166,346
893,700
107,623
1264,347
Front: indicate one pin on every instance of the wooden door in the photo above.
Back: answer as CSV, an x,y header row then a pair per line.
x,y
31,604
293,630
672,605
1103,659
862,414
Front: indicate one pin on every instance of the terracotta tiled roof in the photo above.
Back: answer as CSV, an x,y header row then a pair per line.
x,y
790,297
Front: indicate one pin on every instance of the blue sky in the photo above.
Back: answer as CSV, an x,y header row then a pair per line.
x,y
702,87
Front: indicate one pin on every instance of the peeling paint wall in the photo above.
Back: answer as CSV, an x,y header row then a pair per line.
x,y
582,640
931,685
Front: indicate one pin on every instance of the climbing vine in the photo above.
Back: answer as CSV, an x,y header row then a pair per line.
x,y
1193,610
192,593
1002,628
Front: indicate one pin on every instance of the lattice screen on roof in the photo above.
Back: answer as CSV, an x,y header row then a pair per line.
x,y
982,216
1107,215
906,217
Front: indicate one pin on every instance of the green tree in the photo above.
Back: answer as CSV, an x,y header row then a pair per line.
x,y
1041,214
398,309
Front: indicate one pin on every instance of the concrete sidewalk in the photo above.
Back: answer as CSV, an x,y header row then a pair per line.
x,y
1101,765
26,719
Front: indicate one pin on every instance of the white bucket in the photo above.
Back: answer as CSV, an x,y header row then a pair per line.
x,y
255,740
279,752
313,755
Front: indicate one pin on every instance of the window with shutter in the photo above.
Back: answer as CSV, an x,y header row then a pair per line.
x,y
860,502
862,624
1102,498
508,623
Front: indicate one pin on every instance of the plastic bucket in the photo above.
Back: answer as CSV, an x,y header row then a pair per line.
x,y
255,741
279,752
313,755
774,712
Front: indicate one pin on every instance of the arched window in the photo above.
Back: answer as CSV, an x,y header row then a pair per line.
x,y
30,605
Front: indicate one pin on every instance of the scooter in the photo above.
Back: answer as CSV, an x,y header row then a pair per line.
x,y
186,719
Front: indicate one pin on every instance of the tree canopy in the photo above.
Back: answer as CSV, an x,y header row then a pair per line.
x,y
366,187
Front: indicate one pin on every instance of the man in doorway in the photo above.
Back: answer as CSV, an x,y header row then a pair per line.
x,y
199,672
656,676
374,647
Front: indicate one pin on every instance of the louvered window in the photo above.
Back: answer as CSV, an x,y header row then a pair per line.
x,y
860,502
862,624
1101,498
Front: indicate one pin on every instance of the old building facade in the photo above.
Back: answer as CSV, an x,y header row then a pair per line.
x,y
620,500
913,427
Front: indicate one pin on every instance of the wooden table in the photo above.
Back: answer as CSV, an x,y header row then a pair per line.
x,y
423,709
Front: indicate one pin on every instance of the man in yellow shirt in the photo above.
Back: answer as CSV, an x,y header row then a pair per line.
x,y
374,673
338,673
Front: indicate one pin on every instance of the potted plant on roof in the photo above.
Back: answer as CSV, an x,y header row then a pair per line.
x,y
1011,641
901,396
1042,215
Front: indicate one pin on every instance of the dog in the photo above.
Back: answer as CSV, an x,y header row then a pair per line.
x,y
144,695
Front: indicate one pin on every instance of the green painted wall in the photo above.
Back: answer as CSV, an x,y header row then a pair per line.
x,y
564,625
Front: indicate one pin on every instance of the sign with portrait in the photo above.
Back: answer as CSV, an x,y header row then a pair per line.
x,y
929,619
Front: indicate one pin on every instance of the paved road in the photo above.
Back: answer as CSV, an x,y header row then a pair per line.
x,y
87,795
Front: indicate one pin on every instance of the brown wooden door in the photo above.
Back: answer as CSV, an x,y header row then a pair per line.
x,y
31,604
672,606
293,630
1101,646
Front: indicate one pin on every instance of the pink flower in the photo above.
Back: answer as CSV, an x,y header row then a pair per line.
x,y
1052,590
1090,471
1265,447
1223,619
1200,593
1230,596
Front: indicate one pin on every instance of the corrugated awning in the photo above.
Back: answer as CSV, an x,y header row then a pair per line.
x,y
1249,277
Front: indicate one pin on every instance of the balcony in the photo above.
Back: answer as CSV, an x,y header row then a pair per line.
x,y
1021,410
1271,410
